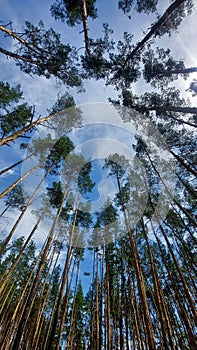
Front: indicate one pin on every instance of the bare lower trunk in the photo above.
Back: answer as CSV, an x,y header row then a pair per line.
x,y
85,25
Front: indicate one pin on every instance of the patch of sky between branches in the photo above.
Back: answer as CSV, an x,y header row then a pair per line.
x,y
104,187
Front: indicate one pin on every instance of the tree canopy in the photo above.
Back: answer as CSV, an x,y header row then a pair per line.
x,y
98,200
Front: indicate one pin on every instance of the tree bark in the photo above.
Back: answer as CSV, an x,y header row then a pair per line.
x,y
168,73
154,29
8,238
140,279
35,285
26,128
164,320
5,280
85,25
63,283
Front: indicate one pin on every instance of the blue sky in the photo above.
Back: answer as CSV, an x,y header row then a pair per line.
x,y
36,89
43,93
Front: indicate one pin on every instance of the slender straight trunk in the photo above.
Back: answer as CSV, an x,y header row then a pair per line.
x,y
108,308
125,301
44,305
8,238
97,305
121,303
45,340
92,313
4,211
40,307
163,316
183,314
187,186
140,278
68,346
7,275
154,31
7,190
144,303
184,165
36,282
135,315
101,301
85,25
6,296
118,312
68,287
10,332
61,294
169,193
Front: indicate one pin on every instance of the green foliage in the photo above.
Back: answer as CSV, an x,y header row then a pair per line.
x,y
156,261
146,6
157,66
22,270
83,218
96,64
64,102
58,153
174,20
122,76
13,116
55,194
16,198
85,183
107,215
117,165
69,11
42,146
193,87
79,318
49,56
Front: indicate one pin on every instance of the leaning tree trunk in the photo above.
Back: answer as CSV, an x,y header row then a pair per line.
x,y
25,129
41,305
10,333
168,73
27,311
8,238
15,164
154,29
169,193
6,276
164,320
183,314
